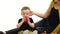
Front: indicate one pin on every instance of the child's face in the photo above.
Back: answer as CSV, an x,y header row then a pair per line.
x,y
25,13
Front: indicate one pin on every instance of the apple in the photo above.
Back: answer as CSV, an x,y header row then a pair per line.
x,y
26,19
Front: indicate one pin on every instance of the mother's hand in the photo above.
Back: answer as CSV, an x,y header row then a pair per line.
x,y
31,13
37,14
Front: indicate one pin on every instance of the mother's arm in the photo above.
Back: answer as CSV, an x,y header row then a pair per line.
x,y
43,15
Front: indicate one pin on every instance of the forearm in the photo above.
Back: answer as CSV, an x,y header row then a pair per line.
x,y
39,14
44,15
19,25
31,24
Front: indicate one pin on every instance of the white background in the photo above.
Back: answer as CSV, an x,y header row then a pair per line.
x,y
10,11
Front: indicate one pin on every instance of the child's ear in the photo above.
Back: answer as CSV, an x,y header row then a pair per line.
x,y
21,13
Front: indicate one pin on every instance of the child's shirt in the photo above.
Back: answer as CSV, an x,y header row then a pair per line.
x,y
25,25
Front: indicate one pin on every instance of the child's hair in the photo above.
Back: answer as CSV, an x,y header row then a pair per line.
x,y
25,8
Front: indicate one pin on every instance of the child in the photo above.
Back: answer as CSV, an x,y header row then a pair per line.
x,y
25,23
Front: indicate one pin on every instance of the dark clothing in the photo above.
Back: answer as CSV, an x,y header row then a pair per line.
x,y
53,18
25,25
41,26
12,31
48,23
51,21
1,32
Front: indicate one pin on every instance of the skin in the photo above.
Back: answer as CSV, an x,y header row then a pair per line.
x,y
39,14
48,11
25,13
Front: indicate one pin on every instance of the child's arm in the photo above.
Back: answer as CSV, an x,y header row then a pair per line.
x,y
20,23
31,24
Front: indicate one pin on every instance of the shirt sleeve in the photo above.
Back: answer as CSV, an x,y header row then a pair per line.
x,y
19,20
31,20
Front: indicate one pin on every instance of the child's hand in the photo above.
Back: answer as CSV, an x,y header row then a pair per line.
x,y
23,20
26,19
18,25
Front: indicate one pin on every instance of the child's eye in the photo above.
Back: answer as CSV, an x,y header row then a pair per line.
x,y
23,13
27,13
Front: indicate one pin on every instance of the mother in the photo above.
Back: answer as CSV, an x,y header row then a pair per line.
x,y
50,18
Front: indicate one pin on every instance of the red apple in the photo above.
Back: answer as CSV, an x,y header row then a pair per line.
x,y
26,19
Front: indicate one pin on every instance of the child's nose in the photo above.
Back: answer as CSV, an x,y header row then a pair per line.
x,y
25,14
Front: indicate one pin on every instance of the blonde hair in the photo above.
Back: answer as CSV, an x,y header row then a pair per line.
x,y
25,8
52,4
